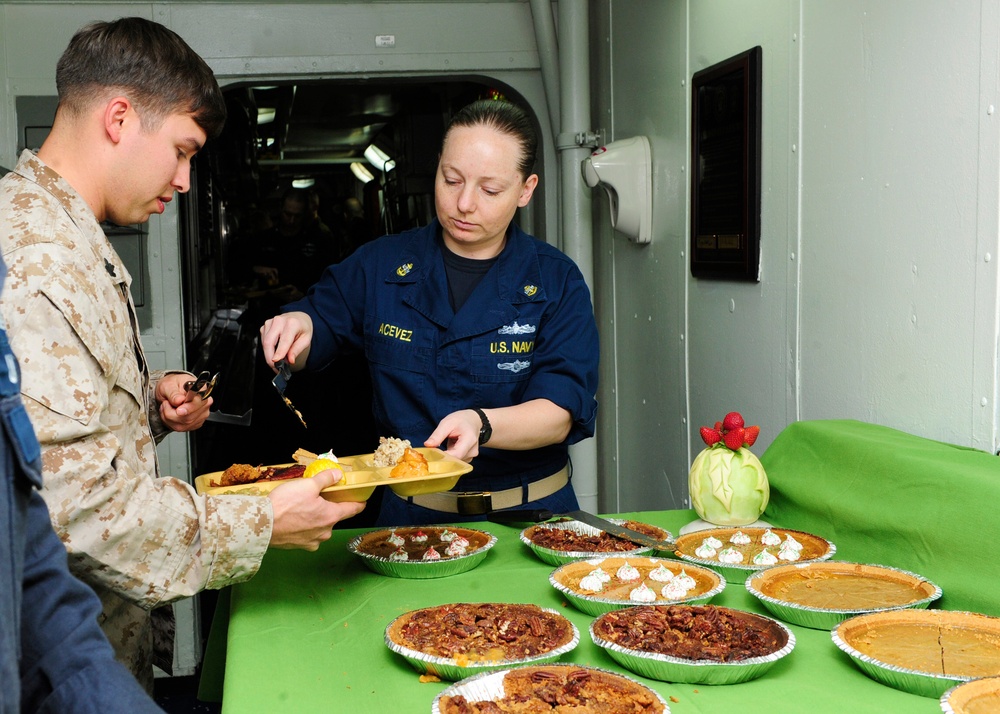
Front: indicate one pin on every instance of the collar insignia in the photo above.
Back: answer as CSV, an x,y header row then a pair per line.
x,y
530,290
404,269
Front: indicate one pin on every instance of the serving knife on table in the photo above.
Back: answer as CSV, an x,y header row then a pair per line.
x,y
280,383
537,515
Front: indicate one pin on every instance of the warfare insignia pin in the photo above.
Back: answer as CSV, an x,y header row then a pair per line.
x,y
530,290
404,269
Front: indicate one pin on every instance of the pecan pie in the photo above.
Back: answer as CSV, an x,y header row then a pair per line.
x,y
561,688
692,632
495,632
556,537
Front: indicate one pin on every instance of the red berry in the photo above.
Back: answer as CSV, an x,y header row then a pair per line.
x,y
734,438
710,436
750,434
718,426
733,420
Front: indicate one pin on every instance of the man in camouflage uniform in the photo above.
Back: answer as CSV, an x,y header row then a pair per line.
x,y
135,105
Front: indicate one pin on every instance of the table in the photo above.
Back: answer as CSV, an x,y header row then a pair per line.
x,y
306,634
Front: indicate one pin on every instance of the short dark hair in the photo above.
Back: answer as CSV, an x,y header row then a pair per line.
x,y
507,118
148,62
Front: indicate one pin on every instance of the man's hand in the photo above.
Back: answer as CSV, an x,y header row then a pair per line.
x,y
459,434
302,517
180,409
287,337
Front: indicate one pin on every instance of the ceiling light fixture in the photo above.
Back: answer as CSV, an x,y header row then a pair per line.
x,y
361,172
379,159
265,115
303,183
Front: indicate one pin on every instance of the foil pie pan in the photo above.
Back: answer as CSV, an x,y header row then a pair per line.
x,y
449,668
667,668
559,557
423,569
921,683
976,695
488,686
826,618
738,572
597,605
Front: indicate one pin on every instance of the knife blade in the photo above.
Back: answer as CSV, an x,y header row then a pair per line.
x,y
280,383
539,515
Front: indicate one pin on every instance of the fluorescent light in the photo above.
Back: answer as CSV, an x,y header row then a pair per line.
x,y
361,172
379,159
265,115
303,182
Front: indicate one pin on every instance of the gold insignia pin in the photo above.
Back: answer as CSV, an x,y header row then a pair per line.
x,y
404,269
530,290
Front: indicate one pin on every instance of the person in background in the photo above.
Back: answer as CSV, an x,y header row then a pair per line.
x,y
292,254
355,227
135,105
53,655
481,338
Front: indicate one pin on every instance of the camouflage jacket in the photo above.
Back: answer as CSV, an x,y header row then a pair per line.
x,y
139,540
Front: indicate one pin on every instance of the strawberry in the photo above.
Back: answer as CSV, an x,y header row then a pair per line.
x,y
710,436
718,427
750,434
733,420
734,438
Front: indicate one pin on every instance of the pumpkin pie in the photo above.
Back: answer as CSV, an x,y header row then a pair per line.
x,y
833,585
751,548
940,643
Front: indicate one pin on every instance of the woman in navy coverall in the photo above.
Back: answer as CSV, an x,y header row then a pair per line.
x,y
481,339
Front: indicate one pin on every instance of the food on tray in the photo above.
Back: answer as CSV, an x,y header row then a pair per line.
x,y
492,632
692,632
390,450
320,465
752,547
239,474
554,537
411,463
561,688
423,543
635,579
843,586
936,642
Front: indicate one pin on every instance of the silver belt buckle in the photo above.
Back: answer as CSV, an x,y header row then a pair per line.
x,y
474,504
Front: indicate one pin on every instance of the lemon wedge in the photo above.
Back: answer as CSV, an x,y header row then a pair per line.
x,y
320,465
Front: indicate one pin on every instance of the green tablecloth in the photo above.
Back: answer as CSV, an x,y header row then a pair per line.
x,y
306,635
888,497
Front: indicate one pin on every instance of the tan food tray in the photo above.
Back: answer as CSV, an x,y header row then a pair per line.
x,y
361,477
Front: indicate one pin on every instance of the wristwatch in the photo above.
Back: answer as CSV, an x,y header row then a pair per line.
x,y
486,431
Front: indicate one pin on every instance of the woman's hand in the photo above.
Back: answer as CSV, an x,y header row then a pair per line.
x,y
459,433
530,425
287,337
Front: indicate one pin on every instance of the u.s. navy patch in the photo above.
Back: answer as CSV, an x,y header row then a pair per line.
x,y
404,269
530,290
